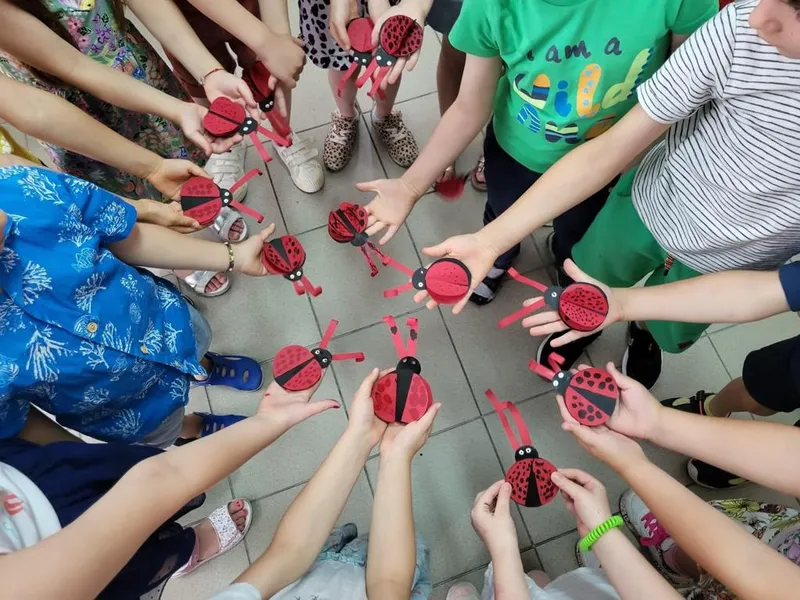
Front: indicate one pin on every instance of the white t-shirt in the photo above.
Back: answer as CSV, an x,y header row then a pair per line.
x,y
580,584
26,516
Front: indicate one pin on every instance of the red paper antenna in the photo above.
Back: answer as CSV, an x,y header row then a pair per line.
x,y
447,280
296,368
257,79
347,225
530,475
582,306
403,395
203,200
286,256
401,36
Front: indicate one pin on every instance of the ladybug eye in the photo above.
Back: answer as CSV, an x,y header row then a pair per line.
x,y
527,450
555,384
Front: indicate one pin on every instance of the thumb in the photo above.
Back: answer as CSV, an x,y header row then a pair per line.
x,y
268,231
574,271
503,507
197,171
565,484
623,381
313,409
199,139
581,433
246,94
438,251
367,186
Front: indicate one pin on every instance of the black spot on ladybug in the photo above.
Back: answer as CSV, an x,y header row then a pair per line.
x,y
587,374
611,387
591,418
579,380
596,376
602,385
581,414
574,405
608,379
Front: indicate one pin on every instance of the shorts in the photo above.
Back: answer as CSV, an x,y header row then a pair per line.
x,y
771,375
444,14
217,40
620,251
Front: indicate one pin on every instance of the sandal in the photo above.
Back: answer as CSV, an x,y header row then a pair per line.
x,y
239,372
199,280
228,535
211,424
478,177
450,185
226,219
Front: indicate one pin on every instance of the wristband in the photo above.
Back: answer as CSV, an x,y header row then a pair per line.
x,y
595,534
209,74
231,257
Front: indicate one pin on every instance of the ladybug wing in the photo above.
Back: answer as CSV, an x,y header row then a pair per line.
x,y
546,490
337,229
259,76
591,396
295,253
394,31
384,397
360,33
295,369
519,478
583,307
224,117
447,281
411,42
274,258
418,399
201,199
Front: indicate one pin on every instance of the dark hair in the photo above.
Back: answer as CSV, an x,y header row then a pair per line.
x,y
38,9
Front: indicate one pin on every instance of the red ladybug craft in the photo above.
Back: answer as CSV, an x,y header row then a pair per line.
x,y
401,36
296,368
225,118
347,225
530,475
582,306
286,256
590,394
257,79
447,280
203,200
403,395
360,32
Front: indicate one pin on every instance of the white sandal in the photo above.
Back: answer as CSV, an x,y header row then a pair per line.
x,y
198,281
228,535
225,220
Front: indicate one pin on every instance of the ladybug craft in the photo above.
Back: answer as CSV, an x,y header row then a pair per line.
x,y
590,394
360,32
226,118
257,79
296,368
401,36
582,306
447,280
285,256
530,475
203,200
403,395
347,225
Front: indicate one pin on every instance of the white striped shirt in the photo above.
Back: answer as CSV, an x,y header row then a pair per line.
x,y
723,190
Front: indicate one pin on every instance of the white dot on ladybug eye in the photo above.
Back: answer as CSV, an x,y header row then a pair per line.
x,y
527,450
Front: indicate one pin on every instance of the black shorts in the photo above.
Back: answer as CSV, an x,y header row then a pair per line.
x,y
772,375
443,15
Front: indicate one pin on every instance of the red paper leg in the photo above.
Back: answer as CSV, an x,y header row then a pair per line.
x,y
248,211
399,346
367,74
373,269
273,135
556,361
279,124
541,370
248,176
398,290
522,428
328,333
522,312
262,152
356,356
530,282
343,81
376,82
413,334
385,260
390,262
312,291
298,288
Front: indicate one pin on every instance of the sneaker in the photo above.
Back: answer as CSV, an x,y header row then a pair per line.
x,y
228,168
488,288
698,404
652,536
299,160
463,591
642,358
570,352
397,138
339,142
711,477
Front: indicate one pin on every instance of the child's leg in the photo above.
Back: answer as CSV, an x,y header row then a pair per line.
x,y
734,397
346,103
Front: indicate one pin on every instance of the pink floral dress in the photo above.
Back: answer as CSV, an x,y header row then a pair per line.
x,y
92,25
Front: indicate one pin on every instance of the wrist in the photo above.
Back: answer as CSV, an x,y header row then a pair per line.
x,y
487,239
413,186
394,461
150,167
503,549
360,440
630,467
263,41
622,296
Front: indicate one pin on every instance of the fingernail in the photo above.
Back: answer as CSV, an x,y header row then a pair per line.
x,y
337,406
555,476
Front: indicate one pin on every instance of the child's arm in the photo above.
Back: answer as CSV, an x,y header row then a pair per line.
x,y
86,555
311,517
392,545
32,42
632,576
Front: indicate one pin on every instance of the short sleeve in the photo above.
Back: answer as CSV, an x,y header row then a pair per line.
x,y
473,32
790,280
695,74
108,215
692,14
238,591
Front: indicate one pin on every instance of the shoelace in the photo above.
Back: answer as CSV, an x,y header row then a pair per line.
x,y
339,130
657,532
299,152
393,128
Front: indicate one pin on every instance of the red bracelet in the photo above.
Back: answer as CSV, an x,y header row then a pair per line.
x,y
207,75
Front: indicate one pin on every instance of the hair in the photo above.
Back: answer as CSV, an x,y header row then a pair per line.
x,y
38,9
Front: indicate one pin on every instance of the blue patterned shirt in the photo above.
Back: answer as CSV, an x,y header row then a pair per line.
x,y
105,347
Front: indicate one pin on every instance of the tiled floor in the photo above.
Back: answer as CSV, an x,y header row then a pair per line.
x,y
462,356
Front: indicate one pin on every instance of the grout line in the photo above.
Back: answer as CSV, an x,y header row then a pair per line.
x,y
719,356
553,539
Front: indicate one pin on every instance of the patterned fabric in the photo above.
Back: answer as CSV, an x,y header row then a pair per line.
x,y
103,346
121,47
775,525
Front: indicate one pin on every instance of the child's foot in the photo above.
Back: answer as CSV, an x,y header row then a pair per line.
x,y
699,404
230,225
488,288
463,591
712,477
228,168
642,358
206,283
397,138
299,159
571,352
478,177
207,539
239,372
652,535
339,142
199,425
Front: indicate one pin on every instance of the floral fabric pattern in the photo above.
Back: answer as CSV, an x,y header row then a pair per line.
x,y
121,47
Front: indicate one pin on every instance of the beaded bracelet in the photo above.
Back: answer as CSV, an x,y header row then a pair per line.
x,y
595,534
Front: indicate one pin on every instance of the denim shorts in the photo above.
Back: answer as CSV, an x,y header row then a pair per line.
x,y
443,15
201,330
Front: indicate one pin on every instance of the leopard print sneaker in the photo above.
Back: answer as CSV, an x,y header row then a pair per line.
x,y
397,138
339,142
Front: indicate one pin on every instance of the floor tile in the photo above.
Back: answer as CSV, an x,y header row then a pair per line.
x,y
211,578
295,456
349,293
447,474
268,513
544,422
440,365
306,211
558,555
312,100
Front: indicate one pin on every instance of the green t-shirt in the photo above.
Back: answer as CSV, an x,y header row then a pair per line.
x,y
571,66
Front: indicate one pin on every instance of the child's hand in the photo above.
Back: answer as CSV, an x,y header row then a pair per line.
x,y
363,421
586,498
167,215
190,120
284,57
290,408
474,252
170,175
222,83
391,206
402,442
342,12
545,323
418,11
491,519
613,448
248,253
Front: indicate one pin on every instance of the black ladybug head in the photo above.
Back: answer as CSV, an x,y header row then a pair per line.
x,y
561,381
249,126
226,196
322,356
409,363
525,452
418,278
552,295
294,275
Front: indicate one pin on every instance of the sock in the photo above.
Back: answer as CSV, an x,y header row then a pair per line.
x,y
494,273
707,406
375,117
483,290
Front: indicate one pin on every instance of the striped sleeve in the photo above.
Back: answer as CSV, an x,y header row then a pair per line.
x,y
695,74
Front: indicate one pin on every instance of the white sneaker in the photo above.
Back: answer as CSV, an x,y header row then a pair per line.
x,y
299,159
463,591
228,168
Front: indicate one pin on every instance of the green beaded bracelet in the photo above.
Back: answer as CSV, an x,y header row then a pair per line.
x,y
595,534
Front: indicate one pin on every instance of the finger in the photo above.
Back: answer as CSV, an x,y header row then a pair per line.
x,y
280,99
463,302
438,251
183,221
299,42
365,389
568,418
567,485
367,186
376,227
426,422
431,304
246,94
489,495
624,382
411,63
200,140
582,366
543,330
420,297
568,337
197,171
574,271
503,500
584,435
394,74
385,372
389,234
272,82
268,231
316,408
542,318
578,476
